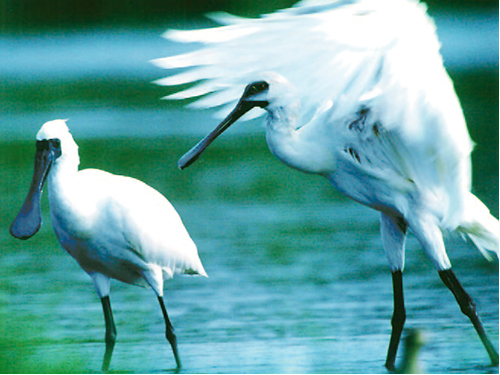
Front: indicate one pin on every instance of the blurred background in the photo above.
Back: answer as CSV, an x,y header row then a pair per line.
x,y
298,278
18,15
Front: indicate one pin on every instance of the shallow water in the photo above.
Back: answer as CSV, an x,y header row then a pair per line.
x,y
298,278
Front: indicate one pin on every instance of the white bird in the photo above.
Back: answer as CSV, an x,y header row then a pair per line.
x,y
356,91
116,227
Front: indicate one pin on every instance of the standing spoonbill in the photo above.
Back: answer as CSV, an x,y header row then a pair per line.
x,y
355,91
115,227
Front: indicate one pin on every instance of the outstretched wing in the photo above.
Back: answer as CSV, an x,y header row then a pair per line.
x,y
320,47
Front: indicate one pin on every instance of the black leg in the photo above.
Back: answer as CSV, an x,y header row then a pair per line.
x,y
469,309
172,339
398,319
110,337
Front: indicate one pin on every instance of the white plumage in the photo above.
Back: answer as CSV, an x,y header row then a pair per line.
x,y
115,227
354,90
322,48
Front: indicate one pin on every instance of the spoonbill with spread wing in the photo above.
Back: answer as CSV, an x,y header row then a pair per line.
x,y
356,91
115,227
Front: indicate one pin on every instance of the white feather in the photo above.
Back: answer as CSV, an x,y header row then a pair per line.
x,y
319,52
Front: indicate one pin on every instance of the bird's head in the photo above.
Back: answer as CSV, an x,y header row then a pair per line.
x,y
56,146
61,143
268,91
54,143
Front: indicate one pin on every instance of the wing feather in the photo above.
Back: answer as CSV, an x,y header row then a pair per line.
x,y
315,50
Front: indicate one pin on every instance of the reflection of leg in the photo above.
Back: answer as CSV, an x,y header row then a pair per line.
x,y
172,339
469,309
110,337
398,319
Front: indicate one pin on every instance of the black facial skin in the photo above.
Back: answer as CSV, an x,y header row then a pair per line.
x,y
29,219
245,104
254,89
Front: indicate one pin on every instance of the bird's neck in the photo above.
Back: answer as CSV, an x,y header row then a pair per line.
x,y
70,208
64,168
61,179
306,148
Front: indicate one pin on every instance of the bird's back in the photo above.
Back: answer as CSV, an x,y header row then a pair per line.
x,y
154,228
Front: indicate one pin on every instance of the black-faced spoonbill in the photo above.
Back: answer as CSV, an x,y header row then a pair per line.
x,y
115,227
356,91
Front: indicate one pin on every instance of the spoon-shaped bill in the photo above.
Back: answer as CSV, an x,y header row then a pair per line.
x,y
190,157
29,219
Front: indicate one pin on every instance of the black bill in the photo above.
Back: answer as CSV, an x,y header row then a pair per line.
x,y
190,157
29,219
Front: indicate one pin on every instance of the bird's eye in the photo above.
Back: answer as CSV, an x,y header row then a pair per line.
x,y
256,88
261,86
55,143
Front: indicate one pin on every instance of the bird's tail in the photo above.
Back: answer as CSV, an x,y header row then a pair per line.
x,y
480,226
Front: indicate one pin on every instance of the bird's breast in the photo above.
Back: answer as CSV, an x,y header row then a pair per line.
x,y
299,149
